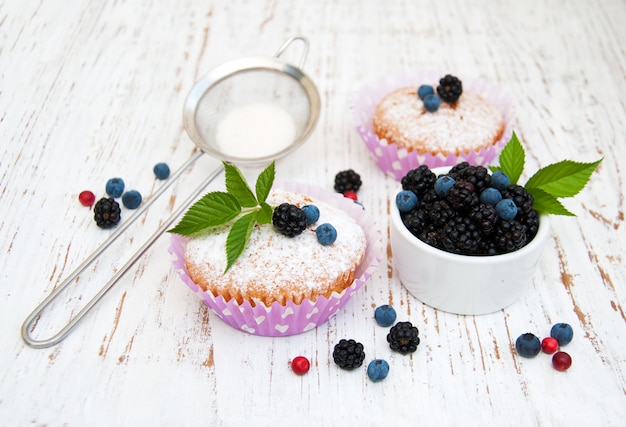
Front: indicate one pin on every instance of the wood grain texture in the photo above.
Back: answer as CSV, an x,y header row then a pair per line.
x,y
90,90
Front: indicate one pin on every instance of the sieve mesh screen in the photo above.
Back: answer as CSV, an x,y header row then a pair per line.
x,y
247,87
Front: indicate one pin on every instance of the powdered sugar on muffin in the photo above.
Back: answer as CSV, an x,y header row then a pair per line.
x,y
470,123
276,268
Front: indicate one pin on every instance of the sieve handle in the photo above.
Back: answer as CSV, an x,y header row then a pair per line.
x,y
31,320
290,40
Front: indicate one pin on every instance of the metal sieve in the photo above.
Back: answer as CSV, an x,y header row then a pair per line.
x,y
256,80
248,81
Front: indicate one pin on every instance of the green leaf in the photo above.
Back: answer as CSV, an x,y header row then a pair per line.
x,y
238,237
547,204
512,159
215,208
563,179
238,187
264,215
264,182
221,208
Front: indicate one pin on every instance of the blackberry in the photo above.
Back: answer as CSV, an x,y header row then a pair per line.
x,y
450,88
478,175
403,337
461,236
289,219
419,180
430,196
107,212
458,168
431,236
530,222
485,217
415,221
522,198
462,196
348,354
440,213
509,236
347,180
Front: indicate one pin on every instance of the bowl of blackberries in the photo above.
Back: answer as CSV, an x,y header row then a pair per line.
x,y
465,240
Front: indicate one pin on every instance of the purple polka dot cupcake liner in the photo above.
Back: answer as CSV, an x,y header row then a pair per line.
x,y
398,161
290,319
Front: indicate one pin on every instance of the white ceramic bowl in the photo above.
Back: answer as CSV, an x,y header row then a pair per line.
x,y
458,283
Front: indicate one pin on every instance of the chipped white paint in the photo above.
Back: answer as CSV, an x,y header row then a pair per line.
x,y
91,90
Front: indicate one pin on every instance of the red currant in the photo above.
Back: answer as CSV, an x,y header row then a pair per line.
x,y
561,361
549,345
300,365
350,195
86,198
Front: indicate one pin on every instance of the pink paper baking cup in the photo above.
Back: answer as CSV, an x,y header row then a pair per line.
x,y
398,161
278,320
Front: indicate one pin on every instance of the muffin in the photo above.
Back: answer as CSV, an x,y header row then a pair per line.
x,y
282,286
401,134
278,268
471,123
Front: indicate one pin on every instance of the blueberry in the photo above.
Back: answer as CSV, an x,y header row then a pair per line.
x,y
528,345
562,332
500,180
490,196
425,90
385,315
326,234
506,209
431,103
377,370
131,199
115,187
443,184
406,201
161,170
312,213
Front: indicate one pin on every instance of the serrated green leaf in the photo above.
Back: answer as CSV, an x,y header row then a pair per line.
x,y
512,159
547,204
215,208
264,215
563,179
238,237
238,187
493,168
264,182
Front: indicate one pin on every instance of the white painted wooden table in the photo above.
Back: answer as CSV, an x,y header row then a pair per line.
x,y
90,90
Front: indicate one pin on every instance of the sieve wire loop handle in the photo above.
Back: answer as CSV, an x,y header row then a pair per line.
x,y
290,40
29,323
